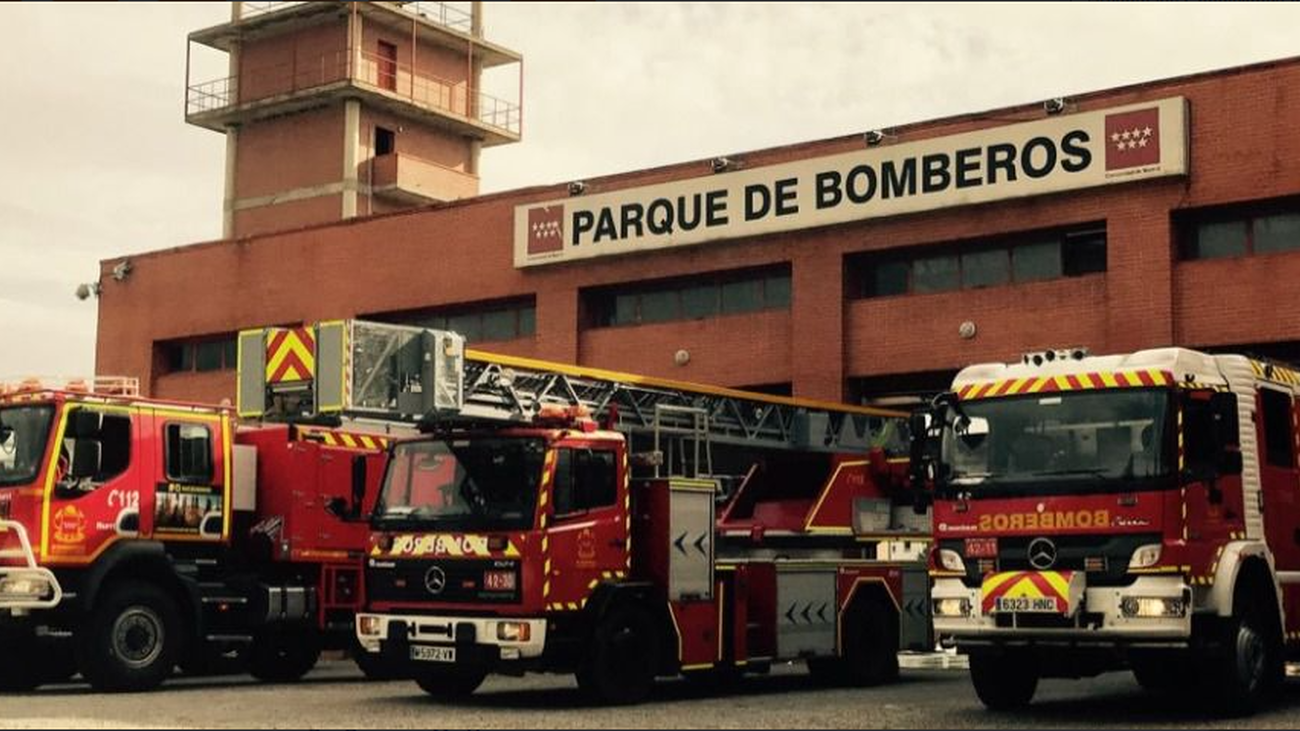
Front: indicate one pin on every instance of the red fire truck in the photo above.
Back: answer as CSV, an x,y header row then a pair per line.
x,y
138,534
565,519
1130,511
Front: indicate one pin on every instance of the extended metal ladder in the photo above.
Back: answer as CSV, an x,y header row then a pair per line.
x,y
386,372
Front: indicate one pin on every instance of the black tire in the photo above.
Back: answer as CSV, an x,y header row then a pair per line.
x,y
132,640
450,683
870,645
284,654
620,664
1246,664
374,668
1004,682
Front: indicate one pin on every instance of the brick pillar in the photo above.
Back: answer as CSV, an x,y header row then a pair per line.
x,y
1139,275
557,324
817,326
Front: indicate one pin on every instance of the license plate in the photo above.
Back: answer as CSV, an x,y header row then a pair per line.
x,y
433,654
1040,605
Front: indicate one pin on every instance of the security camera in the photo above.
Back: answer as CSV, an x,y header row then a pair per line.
x,y
723,164
122,270
874,137
84,291
1054,106
577,187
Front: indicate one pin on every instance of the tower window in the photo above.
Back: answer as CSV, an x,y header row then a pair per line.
x,y
385,141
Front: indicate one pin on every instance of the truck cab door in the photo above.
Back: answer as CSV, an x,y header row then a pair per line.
x,y
98,482
588,535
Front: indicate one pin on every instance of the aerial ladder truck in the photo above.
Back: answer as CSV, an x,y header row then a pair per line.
x,y
565,519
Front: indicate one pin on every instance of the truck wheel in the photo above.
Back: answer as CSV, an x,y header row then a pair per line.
x,y
450,683
620,664
1240,672
373,666
1003,682
870,645
132,639
284,654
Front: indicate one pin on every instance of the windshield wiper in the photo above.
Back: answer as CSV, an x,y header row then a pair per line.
x,y
1094,471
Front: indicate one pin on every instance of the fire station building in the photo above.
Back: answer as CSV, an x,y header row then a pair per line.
x,y
868,265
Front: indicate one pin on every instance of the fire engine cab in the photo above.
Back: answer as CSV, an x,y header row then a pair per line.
x,y
1128,511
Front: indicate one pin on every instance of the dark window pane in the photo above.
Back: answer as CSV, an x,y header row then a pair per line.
x,y
887,278
527,321
744,296
208,357
1032,262
1085,253
1215,240
700,301
230,353
174,354
985,268
776,292
470,326
1277,233
1277,428
934,274
625,309
186,356
500,325
659,306
189,453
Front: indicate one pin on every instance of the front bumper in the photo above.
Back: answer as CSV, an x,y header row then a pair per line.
x,y
476,639
27,587
1097,621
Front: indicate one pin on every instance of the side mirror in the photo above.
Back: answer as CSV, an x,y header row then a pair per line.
x,y
358,484
1229,462
85,424
338,507
86,459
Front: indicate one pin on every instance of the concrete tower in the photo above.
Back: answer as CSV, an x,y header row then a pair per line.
x,y
339,109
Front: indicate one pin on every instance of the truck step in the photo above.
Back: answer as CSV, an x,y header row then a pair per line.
x,y
225,600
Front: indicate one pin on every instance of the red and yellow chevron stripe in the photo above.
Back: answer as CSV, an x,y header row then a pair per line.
x,y
290,355
1028,585
351,440
1071,382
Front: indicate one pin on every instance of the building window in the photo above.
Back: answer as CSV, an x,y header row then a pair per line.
x,y
1019,258
486,322
201,354
1261,229
385,141
696,298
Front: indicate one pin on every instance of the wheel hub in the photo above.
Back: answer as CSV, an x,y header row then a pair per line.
x,y
138,637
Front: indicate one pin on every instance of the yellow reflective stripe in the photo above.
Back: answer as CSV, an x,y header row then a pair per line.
x,y
1057,582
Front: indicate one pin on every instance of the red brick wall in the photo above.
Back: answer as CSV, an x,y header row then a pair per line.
x,y
1243,147
279,155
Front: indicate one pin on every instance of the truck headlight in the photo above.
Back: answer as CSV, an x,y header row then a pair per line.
x,y
369,626
950,560
1152,607
1145,557
514,631
26,587
952,607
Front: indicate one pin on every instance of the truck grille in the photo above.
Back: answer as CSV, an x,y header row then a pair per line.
x,y
441,580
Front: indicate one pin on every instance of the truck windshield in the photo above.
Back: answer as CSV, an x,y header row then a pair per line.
x,y
24,431
1080,441
463,484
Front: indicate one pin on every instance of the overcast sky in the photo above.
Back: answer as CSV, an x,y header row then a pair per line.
x,y
98,161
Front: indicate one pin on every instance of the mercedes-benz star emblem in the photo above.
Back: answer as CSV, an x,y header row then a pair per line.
x,y
435,580
1042,553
